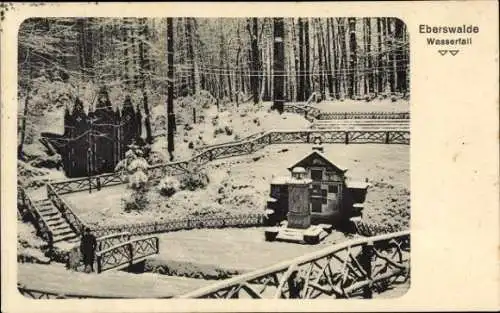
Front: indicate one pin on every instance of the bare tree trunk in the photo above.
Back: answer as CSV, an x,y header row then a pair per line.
x,y
238,80
125,53
253,29
279,65
20,147
322,57
190,56
307,60
301,61
170,96
353,61
330,57
147,119
400,56
380,65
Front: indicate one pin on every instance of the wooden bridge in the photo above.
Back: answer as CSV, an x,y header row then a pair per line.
x,y
127,253
358,268
116,251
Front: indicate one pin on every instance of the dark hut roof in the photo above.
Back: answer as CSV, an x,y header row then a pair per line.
x,y
315,157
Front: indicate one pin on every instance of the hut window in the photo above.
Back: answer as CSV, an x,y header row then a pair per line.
x,y
333,189
316,174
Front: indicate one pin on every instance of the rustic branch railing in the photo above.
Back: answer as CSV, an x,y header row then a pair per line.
x,y
55,294
74,259
41,225
356,268
181,224
309,112
108,241
126,253
73,220
362,115
231,149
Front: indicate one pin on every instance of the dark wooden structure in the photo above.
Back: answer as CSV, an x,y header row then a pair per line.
x,y
94,142
332,198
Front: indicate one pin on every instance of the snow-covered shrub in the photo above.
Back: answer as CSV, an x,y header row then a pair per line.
x,y
218,130
168,186
228,130
194,180
137,170
157,157
137,200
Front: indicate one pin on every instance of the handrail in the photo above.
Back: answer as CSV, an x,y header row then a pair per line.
x,y
245,139
126,253
66,211
293,263
41,225
183,224
99,253
363,115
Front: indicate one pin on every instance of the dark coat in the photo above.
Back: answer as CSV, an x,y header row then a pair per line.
x,y
88,246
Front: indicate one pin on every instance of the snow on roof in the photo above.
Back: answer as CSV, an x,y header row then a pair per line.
x,y
357,185
321,155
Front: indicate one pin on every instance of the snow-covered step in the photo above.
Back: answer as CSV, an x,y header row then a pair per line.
x,y
61,229
65,237
57,223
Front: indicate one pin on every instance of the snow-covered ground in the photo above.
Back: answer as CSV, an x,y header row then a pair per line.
x,y
57,279
240,185
239,250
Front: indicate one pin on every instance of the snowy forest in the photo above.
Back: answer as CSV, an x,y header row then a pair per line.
x,y
229,60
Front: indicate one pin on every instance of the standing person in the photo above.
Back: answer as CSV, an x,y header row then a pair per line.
x,y
87,248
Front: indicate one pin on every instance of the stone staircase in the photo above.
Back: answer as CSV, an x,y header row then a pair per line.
x,y
62,231
363,124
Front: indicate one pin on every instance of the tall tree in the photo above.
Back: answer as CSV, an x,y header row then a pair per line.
x,y
170,95
301,89
142,69
353,60
279,65
307,73
253,29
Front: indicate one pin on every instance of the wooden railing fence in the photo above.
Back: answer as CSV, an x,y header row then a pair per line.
x,y
252,144
76,224
126,253
363,115
356,268
28,210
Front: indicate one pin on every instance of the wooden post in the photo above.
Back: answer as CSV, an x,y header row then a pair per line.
x,y
99,264
157,244
194,115
346,138
89,157
366,263
131,253
386,137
